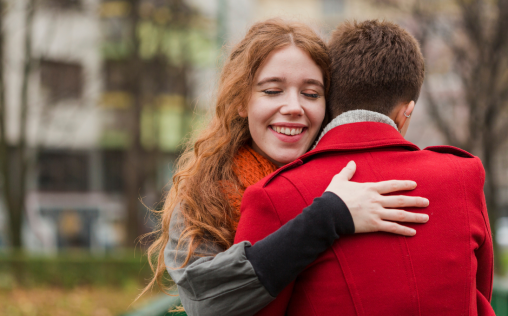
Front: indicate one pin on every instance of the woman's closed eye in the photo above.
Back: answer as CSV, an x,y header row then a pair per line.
x,y
312,95
272,92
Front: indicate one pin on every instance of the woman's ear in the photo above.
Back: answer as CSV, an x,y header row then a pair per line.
x,y
242,112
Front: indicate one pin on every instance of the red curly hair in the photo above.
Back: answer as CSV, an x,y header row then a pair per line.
x,y
204,164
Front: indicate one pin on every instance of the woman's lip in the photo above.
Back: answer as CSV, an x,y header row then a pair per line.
x,y
287,138
283,124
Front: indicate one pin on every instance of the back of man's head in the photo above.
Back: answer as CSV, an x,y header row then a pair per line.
x,y
376,65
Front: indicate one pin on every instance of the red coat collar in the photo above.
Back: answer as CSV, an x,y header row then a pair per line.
x,y
350,137
362,135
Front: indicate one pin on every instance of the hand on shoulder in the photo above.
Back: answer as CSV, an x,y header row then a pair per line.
x,y
371,210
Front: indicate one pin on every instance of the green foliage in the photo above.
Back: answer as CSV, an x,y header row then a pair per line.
x,y
72,270
116,50
191,45
180,45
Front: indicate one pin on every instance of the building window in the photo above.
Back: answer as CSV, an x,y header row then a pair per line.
x,y
73,226
116,29
117,75
162,78
60,4
59,171
115,23
61,80
158,77
113,166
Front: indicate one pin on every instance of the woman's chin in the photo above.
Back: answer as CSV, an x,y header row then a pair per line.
x,y
282,159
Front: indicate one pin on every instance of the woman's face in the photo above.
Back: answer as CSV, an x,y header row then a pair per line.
x,y
287,105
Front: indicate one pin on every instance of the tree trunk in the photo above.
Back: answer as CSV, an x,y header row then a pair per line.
x,y
491,188
14,233
14,168
134,160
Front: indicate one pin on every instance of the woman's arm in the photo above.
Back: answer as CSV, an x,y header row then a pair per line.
x,y
215,282
244,279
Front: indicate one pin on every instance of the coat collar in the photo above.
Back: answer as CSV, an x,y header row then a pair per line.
x,y
361,135
352,137
356,116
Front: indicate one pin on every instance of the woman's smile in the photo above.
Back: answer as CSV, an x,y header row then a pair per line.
x,y
287,105
288,133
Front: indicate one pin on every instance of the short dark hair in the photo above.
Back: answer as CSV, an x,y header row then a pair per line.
x,y
375,66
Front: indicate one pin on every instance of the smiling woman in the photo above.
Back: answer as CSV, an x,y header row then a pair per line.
x,y
287,105
270,107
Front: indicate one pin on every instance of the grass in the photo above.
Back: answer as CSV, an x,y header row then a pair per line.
x,y
79,301
72,283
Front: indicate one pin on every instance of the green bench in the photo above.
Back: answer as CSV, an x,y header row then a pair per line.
x,y
158,306
500,298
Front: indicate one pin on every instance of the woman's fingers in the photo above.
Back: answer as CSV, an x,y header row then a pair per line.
x,y
403,216
403,201
347,172
390,186
395,228
370,210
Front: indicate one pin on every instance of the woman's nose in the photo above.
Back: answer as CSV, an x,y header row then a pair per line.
x,y
292,105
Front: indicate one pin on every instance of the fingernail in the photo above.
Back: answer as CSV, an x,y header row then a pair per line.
x,y
413,232
425,202
424,217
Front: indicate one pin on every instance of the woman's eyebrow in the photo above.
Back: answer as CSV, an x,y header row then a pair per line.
x,y
314,82
271,79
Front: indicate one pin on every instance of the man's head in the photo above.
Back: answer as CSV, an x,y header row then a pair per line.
x,y
376,66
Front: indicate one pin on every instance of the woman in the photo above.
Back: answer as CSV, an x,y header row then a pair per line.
x,y
278,65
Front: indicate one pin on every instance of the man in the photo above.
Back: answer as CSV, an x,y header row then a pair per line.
x,y
447,268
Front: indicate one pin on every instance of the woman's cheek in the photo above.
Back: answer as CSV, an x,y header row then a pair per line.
x,y
316,116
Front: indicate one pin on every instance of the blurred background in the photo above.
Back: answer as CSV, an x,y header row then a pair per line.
x,y
97,96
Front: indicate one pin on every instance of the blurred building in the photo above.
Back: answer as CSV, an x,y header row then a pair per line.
x,y
79,124
67,205
80,98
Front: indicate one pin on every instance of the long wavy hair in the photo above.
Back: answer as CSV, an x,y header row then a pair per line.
x,y
208,161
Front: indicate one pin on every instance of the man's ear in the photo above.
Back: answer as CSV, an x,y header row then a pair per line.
x,y
403,113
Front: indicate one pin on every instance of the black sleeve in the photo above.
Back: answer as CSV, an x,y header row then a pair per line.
x,y
280,257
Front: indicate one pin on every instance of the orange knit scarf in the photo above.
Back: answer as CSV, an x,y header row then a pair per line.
x,y
250,167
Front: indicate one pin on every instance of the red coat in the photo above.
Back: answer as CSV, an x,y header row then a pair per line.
x,y
446,269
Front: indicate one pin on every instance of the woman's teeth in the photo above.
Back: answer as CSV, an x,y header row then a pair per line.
x,y
287,130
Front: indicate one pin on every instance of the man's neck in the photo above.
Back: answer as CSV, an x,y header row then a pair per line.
x,y
356,116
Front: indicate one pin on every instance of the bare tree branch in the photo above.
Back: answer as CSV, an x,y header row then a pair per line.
x,y
500,40
471,11
438,119
477,38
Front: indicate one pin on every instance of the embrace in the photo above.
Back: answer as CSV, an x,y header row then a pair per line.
x,y
263,219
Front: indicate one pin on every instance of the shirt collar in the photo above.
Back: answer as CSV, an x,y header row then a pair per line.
x,y
356,116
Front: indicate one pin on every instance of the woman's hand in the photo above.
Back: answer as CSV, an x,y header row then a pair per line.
x,y
371,211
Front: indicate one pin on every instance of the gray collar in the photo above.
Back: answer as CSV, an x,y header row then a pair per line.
x,y
356,116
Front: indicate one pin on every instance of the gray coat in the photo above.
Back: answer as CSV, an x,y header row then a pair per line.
x,y
216,281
